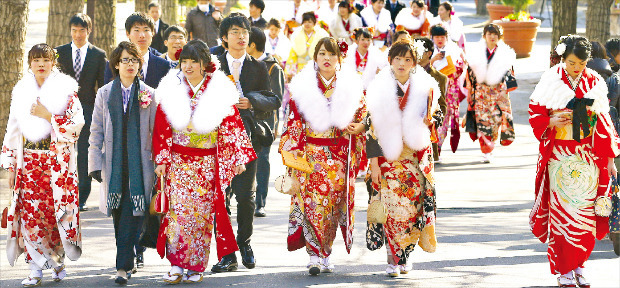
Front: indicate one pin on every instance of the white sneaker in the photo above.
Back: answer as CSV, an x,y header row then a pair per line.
x,y
393,270
326,266
34,279
487,157
59,273
314,265
404,268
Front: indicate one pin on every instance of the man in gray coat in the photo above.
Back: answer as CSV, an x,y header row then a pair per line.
x,y
203,22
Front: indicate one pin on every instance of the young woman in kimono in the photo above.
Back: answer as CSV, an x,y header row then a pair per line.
x,y
490,60
119,155
379,19
345,22
401,156
303,42
39,154
199,145
364,57
415,19
451,22
323,126
444,47
569,113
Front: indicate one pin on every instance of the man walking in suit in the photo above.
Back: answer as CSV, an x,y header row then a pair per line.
x,y
203,22
250,77
256,10
394,6
86,63
139,28
154,10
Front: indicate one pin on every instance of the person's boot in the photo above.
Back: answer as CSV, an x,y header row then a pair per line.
x,y
247,257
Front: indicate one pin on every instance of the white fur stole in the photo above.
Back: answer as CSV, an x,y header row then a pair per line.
x,y
492,73
54,95
320,113
553,93
213,105
393,126
377,60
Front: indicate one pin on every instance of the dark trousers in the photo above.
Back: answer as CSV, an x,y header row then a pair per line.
x,y
243,188
263,169
82,156
126,227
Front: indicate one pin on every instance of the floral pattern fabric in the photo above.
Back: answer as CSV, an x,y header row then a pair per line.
x,y
454,96
493,115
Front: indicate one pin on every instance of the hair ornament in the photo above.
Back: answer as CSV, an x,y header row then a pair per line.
x,y
400,28
371,30
452,13
178,53
560,49
344,47
419,48
211,67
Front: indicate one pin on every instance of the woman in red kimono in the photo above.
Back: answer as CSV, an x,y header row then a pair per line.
x,y
569,113
326,111
39,154
199,144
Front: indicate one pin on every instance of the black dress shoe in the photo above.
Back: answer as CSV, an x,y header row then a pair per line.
x,y
247,257
140,260
227,264
120,280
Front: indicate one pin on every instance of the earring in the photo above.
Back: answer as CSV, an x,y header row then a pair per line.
x,y
316,66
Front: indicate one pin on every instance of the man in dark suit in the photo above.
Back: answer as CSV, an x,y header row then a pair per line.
x,y
160,27
139,28
256,49
203,22
86,63
252,82
394,6
256,10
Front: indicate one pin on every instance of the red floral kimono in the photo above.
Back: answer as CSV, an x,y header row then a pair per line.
x,y
43,218
200,138
571,173
318,114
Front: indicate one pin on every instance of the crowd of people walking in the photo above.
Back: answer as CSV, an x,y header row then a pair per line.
x,y
181,118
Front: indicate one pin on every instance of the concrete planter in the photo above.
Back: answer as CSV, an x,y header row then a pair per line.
x,y
498,11
520,35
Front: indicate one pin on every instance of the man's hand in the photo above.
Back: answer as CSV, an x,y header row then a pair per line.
x,y
244,103
40,111
160,170
239,169
96,175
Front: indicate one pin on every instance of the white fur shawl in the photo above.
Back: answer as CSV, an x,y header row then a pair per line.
x,y
376,60
494,72
320,113
54,95
213,105
406,19
393,126
337,29
553,93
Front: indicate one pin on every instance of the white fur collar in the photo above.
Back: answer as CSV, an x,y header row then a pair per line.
x,y
553,93
54,95
316,109
492,73
393,126
376,60
213,105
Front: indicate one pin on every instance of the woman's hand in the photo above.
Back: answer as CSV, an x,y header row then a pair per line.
x,y
40,111
297,154
160,170
11,179
558,121
355,128
611,166
437,57
375,171
239,169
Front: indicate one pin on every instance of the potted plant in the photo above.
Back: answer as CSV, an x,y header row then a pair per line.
x,y
520,28
498,10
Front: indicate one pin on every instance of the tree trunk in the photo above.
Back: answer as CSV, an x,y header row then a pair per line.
x,y
229,5
169,9
105,25
481,7
564,19
60,11
141,5
597,20
13,20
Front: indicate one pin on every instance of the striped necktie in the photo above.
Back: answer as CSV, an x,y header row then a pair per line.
x,y
77,64
126,94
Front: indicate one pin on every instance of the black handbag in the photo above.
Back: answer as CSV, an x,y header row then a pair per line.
x,y
263,133
150,226
470,122
511,81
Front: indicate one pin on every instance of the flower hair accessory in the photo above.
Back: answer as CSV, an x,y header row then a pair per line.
x,y
400,28
371,30
452,13
178,53
210,68
344,47
419,48
560,49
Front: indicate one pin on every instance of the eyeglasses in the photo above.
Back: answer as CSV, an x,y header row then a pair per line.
x,y
132,60
239,32
175,38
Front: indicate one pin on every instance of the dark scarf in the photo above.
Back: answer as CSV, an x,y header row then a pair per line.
x,y
134,162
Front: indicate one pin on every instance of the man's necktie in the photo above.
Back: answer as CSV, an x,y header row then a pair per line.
x,y
236,64
126,93
77,65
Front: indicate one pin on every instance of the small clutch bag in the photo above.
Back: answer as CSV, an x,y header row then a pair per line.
x,y
602,206
287,185
298,164
376,213
159,202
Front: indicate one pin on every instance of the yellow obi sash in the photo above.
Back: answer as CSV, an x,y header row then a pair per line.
x,y
566,132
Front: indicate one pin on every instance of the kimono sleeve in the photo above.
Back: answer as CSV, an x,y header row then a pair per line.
x,y
162,138
237,145
539,120
67,126
11,142
291,63
605,142
293,137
